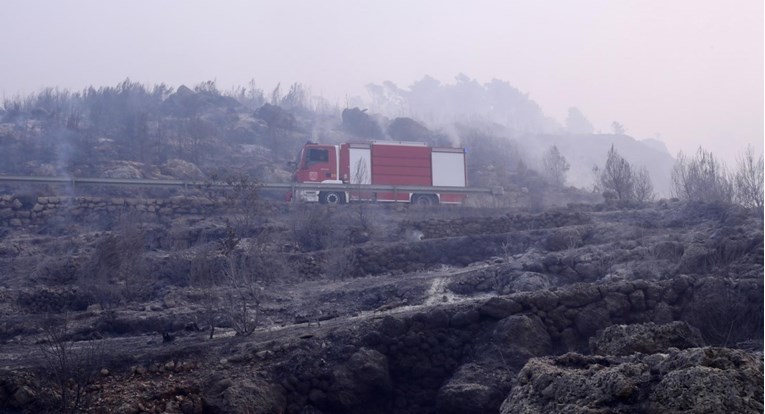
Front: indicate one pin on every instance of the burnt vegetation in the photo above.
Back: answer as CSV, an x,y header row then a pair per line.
x,y
555,296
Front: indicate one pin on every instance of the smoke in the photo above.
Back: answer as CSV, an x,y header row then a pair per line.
x,y
413,235
465,100
65,150
503,127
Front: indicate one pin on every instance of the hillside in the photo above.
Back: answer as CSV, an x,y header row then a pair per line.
x,y
230,300
423,310
136,131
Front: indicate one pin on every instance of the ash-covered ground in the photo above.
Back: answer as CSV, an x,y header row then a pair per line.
x,y
386,309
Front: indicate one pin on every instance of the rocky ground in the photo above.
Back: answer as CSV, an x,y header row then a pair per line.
x,y
387,309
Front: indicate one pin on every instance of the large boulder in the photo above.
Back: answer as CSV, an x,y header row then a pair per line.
x,y
182,170
124,169
361,385
276,117
591,318
695,259
519,337
185,102
358,122
407,129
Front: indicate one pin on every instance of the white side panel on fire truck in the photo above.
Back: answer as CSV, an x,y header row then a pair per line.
x,y
360,164
448,167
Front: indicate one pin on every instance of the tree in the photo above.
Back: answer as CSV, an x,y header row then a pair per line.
x,y
116,269
749,180
204,276
199,134
617,176
242,299
70,367
701,178
297,98
129,237
207,87
276,95
643,185
577,123
241,304
244,201
618,128
136,131
555,166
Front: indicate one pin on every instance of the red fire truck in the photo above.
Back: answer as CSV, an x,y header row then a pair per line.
x,y
383,164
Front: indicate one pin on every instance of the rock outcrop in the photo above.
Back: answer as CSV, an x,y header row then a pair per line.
x,y
250,396
697,380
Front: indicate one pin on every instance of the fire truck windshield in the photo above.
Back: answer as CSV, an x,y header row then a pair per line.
x,y
317,155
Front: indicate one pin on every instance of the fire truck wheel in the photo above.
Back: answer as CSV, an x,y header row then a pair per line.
x,y
332,198
424,200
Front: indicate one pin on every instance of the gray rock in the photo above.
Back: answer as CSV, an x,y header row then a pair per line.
x,y
464,318
542,300
579,295
251,396
528,282
362,383
520,337
391,326
23,396
647,338
499,308
694,259
470,391
590,319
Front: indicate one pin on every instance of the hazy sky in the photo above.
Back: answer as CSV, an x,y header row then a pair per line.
x,y
689,70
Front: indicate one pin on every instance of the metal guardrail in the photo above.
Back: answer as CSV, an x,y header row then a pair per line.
x,y
135,182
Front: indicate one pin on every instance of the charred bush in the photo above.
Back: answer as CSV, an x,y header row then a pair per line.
x,y
68,369
563,239
313,228
117,270
341,263
111,323
727,311
56,270
47,300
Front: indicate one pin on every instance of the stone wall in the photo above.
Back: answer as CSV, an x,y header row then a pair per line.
x,y
451,227
19,211
462,359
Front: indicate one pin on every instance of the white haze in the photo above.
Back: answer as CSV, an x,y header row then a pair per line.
x,y
687,71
